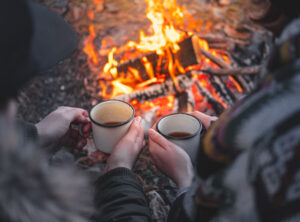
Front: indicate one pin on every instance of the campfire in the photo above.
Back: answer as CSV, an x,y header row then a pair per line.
x,y
177,67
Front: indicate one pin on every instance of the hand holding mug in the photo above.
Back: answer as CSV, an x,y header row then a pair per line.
x,y
57,129
170,159
126,151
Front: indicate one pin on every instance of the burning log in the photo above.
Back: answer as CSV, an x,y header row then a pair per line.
x,y
188,55
159,90
186,101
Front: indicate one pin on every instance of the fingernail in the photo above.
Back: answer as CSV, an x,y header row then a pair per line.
x,y
138,119
151,132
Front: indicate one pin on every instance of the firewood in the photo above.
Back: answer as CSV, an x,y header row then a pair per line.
x,y
218,61
213,38
233,71
222,90
218,107
159,90
223,65
188,55
186,101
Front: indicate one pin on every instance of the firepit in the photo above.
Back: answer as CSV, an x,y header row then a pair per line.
x,y
162,57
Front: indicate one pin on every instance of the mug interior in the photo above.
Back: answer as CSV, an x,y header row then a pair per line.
x,y
112,113
179,122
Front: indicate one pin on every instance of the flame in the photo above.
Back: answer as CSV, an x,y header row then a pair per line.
x,y
164,32
89,48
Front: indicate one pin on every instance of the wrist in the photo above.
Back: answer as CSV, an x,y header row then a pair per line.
x,y
184,183
43,139
186,179
112,166
40,136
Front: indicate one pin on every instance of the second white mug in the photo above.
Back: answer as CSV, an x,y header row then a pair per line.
x,y
183,130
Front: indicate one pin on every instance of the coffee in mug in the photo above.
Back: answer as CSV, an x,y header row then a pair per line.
x,y
179,134
111,120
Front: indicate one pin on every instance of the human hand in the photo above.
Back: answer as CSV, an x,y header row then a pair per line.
x,y
58,128
204,119
126,151
170,159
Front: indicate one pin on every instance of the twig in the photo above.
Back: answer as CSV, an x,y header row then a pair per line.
x,y
218,61
233,71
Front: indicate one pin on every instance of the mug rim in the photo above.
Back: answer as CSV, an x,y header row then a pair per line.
x,y
184,137
114,125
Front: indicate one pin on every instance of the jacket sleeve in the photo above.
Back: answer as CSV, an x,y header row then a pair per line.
x,y
119,197
29,130
177,212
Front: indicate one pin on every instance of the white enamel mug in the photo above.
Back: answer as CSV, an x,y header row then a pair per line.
x,y
183,130
111,120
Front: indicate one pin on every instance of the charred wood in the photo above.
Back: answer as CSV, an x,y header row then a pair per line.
x,y
188,55
186,101
220,87
233,71
218,107
160,90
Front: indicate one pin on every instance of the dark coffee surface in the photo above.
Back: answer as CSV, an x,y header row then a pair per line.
x,y
112,123
179,134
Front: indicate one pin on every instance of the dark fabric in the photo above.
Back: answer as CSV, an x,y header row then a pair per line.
x,y
28,129
288,7
119,197
177,212
35,39
53,39
15,23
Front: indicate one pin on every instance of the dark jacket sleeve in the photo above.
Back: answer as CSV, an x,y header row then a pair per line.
x,y
29,130
119,197
177,213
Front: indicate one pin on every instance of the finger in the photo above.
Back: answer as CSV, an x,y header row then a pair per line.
x,y
156,152
77,115
140,137
157,138
133,130
204,119
86,129
154,125
74,133
141,131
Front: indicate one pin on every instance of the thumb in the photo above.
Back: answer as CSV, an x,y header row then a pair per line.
x,y
157,138
78,115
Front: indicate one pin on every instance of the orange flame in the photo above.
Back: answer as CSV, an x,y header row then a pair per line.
x,y
89,48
